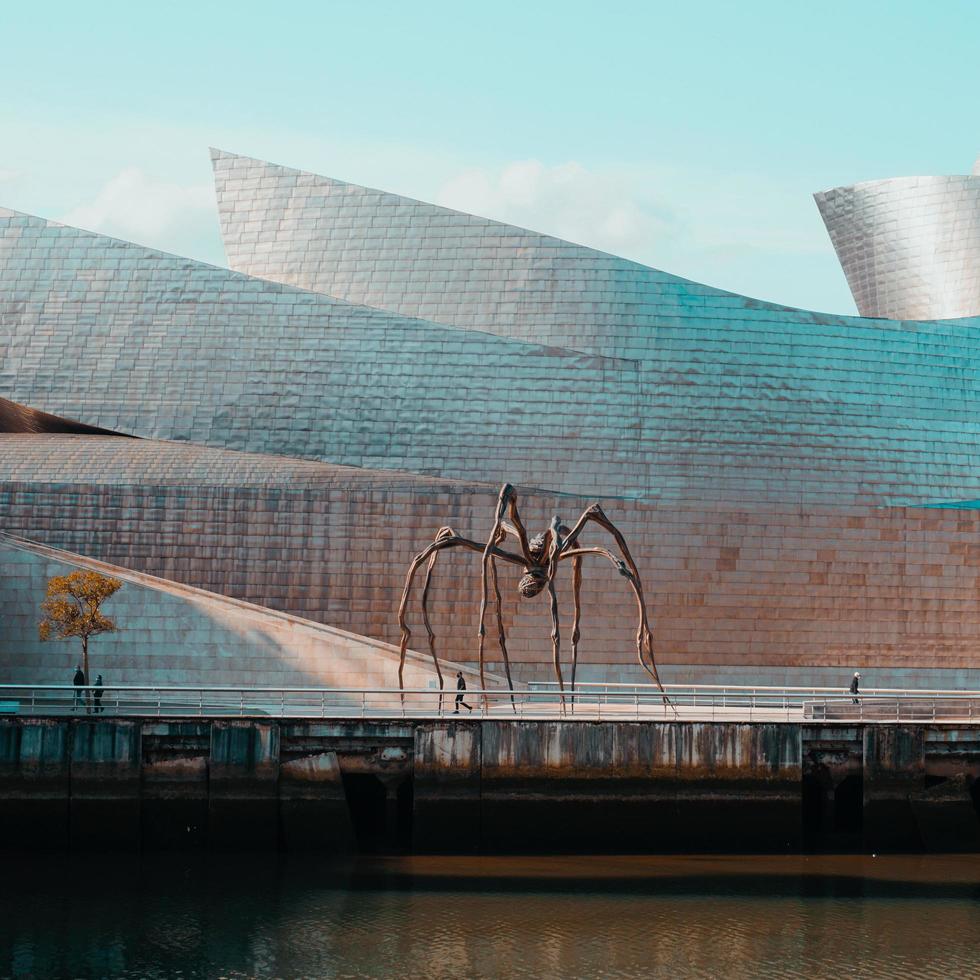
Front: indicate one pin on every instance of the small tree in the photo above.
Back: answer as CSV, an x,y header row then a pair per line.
x,y
72,608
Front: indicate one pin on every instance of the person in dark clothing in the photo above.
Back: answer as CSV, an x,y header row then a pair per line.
x,y
460,687
854,686
79,681
97,695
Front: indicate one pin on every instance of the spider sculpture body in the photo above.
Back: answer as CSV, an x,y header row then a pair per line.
x,y
539,557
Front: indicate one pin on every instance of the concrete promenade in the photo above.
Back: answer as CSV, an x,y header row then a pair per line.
x,y
543,701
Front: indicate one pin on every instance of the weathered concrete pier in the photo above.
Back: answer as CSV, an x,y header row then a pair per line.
x,y
493,785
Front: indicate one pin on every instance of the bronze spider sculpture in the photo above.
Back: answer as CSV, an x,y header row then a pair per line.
x,y
539,557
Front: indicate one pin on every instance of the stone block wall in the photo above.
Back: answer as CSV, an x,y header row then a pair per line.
x,y
174,635
755,595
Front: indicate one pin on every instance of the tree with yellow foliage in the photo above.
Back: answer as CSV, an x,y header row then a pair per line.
x,y
72,608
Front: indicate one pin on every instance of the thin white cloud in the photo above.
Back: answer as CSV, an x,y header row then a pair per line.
x,y
8,175
566,200
138,207
739,232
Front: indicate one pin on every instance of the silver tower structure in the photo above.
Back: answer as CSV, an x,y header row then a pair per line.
x,y
910,246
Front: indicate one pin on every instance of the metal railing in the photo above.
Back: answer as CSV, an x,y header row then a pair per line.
x,y
588,702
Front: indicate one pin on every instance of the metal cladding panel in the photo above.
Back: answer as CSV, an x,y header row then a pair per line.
x,y
909,246
768,466
142,343
151,345
391,252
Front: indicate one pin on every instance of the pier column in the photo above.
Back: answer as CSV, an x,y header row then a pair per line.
x,y
243,809
34,791
447,786
313,805
175,783
105,784
894,772
948,808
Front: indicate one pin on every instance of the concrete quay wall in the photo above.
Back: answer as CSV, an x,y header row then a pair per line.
x,y
447,785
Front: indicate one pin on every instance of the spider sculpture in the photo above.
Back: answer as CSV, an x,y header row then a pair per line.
x,y
539,557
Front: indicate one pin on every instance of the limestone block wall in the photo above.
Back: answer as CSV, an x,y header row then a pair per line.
x,y
173,635
795,595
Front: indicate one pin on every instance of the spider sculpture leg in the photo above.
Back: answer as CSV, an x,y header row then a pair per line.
x,y
504,501
644,645
444,532
554,546
556,640
644,639
516,526
577,619
501,635
444,539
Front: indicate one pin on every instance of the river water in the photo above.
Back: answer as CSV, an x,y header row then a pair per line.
x,y
460,917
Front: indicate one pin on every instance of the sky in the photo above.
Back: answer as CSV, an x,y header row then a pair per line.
x,y
689,136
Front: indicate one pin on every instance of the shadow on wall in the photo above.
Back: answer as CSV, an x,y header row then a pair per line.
x,y
20,418
170,634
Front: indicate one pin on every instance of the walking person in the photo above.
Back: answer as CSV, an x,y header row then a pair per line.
x,y
79,681
97,695
855,683
460,688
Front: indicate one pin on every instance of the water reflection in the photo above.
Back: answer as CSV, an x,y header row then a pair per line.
x,y
713,916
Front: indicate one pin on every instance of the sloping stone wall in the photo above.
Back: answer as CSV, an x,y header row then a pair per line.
x,y
174,635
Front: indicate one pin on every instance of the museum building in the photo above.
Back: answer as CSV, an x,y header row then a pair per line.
x,y
259,450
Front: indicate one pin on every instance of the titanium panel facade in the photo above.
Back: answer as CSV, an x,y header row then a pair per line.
x,y
909,246
142,343
799,489
395,253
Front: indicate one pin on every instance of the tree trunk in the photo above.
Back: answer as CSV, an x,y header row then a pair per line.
x,y
88,679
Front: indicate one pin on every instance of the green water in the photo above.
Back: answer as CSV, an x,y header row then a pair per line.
x,y
452,917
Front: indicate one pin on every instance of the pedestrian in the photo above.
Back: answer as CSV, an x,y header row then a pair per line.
x,y
97,695
79,681
461,687
854,686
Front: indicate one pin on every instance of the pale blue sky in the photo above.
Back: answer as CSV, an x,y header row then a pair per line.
x,y
689,136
